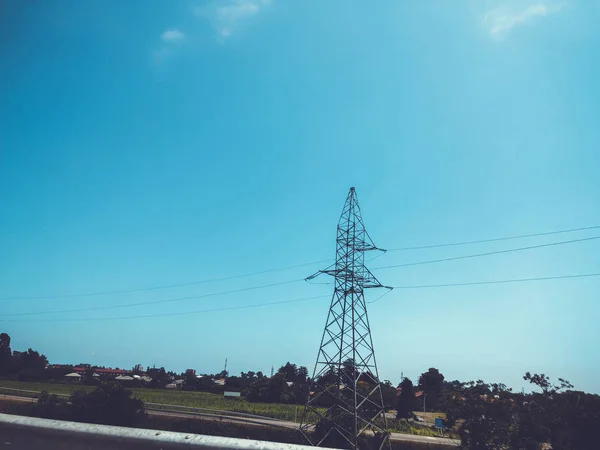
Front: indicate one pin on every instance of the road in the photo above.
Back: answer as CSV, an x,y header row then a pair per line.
x,y
223,418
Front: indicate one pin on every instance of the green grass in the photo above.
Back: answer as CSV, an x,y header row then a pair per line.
x,y
54,388
192,399
214,401
175,398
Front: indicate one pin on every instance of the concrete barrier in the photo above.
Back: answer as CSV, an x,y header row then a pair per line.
x,y
29,433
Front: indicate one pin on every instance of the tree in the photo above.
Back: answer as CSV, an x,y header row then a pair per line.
x,y
431,382
302,375
190,380
51,406
405,401
289,371
567,419
160,378
388,393
57,373
493,417
5,354
108,405
271,390
29,365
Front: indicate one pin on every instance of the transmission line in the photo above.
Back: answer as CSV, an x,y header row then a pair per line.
x,y
183,313
153,302
477,255
166,286
422,286
477,283
506,238
279,269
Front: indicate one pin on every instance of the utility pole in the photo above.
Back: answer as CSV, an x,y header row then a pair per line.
x,y
345,380
225,369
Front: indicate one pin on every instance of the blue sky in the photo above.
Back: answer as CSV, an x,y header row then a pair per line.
x,y
149,143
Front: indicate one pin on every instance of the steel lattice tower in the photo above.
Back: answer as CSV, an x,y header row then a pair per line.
x,y
345,398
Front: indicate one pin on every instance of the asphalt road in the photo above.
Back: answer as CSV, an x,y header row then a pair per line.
x,y
222,418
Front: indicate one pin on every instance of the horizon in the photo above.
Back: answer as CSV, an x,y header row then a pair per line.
x,y
171,173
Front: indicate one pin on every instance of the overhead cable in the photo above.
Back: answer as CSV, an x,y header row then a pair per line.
x,y
183,313
477,255
232,277
166,286
153,302
482,241
478,283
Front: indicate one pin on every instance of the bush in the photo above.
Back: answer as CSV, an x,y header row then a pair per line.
x,y
107,405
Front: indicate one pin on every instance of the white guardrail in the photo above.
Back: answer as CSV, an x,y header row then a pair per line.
x,y
29,433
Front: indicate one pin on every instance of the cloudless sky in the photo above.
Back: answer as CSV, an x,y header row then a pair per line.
x,y
149,143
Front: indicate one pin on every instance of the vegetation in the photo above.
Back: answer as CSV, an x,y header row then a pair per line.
x,y
484,416
406,402
28,365
431,384
108,405
175,398
38,386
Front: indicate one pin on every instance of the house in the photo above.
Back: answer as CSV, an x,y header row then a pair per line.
x,y
124,379
73,377
103,372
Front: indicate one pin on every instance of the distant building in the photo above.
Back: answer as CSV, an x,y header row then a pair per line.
x,y
138,368
190,372
103,372
124,378
59,366
73,377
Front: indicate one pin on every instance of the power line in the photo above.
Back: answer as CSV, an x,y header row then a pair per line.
x,y
476,255
382,295
232,277
167,286
477,283
424,286
154,302
183,313
506,238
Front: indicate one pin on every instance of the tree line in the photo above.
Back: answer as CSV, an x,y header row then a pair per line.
x,y
485,415
27,365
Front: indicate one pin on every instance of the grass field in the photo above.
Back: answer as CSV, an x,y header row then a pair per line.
x,y
190,399
54,388
175,398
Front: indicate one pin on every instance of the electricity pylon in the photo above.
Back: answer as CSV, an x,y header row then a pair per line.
x,y
345,402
